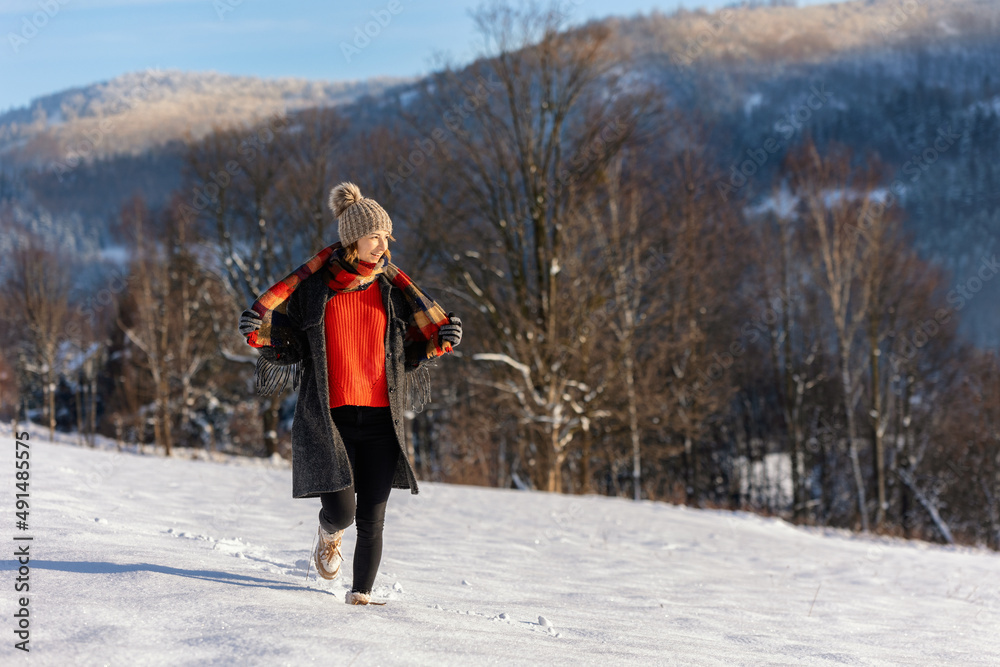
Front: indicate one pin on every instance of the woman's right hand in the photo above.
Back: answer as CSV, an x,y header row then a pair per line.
x,y
249,322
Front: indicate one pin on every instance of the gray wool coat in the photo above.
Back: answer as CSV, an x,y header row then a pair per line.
x,y
319,459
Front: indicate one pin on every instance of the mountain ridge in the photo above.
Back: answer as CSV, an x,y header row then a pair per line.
x,y
105,118
137,111
785,32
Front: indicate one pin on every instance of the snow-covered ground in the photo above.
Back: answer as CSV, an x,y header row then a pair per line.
x,y
141,560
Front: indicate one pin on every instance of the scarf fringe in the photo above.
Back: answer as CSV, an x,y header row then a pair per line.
x,y
418,388
271,378
426,319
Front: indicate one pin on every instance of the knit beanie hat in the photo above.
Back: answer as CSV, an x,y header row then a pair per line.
x,y
357,216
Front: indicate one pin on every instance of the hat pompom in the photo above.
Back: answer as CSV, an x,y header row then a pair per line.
x,y
343,196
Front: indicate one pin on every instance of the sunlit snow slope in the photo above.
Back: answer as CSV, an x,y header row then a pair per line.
x,y
141,560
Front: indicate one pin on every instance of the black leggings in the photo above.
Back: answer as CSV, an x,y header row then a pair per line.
x,y
373,450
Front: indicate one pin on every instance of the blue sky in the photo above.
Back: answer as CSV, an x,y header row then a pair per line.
x,y
50,45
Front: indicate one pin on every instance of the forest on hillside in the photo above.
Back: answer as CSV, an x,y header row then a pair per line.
x,y
743,286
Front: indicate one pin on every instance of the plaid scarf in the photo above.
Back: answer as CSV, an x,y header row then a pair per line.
x,y
276,330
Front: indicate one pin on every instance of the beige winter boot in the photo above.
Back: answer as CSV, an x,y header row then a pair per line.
x,y
327,555
357,597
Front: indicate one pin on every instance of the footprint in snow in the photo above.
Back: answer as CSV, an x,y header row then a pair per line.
x,y
542,625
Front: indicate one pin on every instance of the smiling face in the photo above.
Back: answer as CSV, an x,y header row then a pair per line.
x,y
373,246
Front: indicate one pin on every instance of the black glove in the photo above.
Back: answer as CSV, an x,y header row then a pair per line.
x,y
451,332
249,322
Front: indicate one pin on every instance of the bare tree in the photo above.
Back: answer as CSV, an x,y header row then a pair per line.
x,y
832,195
149,324
38,290
9,389
194,296
630,264
259,190
89,351
899,289
796,344
986,455
701,267
542,115
303,181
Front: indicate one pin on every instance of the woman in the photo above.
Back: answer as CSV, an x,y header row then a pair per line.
x,y
354,333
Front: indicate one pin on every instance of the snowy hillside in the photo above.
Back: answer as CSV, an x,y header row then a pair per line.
x,y
139,560
141,110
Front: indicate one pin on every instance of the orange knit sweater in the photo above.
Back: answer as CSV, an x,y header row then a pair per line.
x,y
355,348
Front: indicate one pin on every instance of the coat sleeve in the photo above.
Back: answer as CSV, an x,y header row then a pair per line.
x,y
414,354
414,357
295,348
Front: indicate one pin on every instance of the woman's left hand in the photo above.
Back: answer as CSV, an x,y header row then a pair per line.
x,y
451,332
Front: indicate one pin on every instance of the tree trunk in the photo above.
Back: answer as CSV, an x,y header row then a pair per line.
x,y
270,421
78,397
690,470
186,394
793,390
927,504
906,433
157,430
859,482
503,479
92,427
633,419
825,493
168,436
876,420
50,401
554,478
163,417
